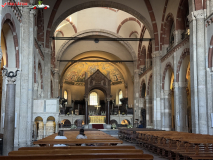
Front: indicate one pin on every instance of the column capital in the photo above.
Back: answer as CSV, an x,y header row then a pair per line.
x,y
108,99
86,99
191,17
11,80
180,84
55,70
199,14
156,54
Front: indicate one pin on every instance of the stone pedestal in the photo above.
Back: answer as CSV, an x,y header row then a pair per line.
x,y
9,122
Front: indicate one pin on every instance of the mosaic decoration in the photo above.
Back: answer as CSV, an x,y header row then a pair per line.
x,y
75,75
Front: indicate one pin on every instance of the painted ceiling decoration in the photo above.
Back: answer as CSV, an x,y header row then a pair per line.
x,y
75,74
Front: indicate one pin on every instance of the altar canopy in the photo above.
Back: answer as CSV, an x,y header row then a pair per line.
x,y
98,81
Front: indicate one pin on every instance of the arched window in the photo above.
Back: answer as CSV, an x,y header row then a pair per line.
x,y
120,96
65,96
93,98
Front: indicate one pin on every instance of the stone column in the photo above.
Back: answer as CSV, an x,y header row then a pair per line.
x,y
201,72
35,131
149,113
180,106
156,89
136,94
167,111
44,130
56,126
56,83
47,75
27,78
35,95
3,99
86,111
162,110
108,111
9,120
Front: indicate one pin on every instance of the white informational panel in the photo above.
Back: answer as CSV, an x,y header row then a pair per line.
x,y
38,106
51,105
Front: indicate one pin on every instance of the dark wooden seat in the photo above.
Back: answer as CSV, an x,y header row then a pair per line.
x,y
80,157
78,147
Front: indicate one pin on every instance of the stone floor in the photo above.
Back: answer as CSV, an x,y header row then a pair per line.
x,y
156,157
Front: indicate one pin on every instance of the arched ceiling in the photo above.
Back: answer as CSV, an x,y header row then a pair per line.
x,y
75,74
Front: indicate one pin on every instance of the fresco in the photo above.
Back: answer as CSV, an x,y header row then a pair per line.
x,y
76,73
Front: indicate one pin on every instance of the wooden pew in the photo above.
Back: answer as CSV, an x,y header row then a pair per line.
x,y
79,147
178,144
80,157
75,152
93,137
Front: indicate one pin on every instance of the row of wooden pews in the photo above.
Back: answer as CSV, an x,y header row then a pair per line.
x,y
130,134
93,137
78,152
102,150
177,145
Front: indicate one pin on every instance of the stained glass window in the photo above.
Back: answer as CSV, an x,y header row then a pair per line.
x,y
93,98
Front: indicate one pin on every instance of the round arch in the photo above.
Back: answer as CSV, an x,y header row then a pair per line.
x,y
96,32
52,26
168,66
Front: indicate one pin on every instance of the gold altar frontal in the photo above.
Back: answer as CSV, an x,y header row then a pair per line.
x,y
97,119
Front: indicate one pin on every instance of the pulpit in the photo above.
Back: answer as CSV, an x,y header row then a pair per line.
x,y
97,119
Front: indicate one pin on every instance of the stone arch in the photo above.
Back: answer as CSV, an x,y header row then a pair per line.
x,y
62,33
168,65
167,28
149,85
185,53
95,32
162,26
52,27
181,14
133,32
125,21
143,30
113,121
73,25
7,19
66,123
210,53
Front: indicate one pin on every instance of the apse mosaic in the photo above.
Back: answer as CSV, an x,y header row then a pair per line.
x,y
75,75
